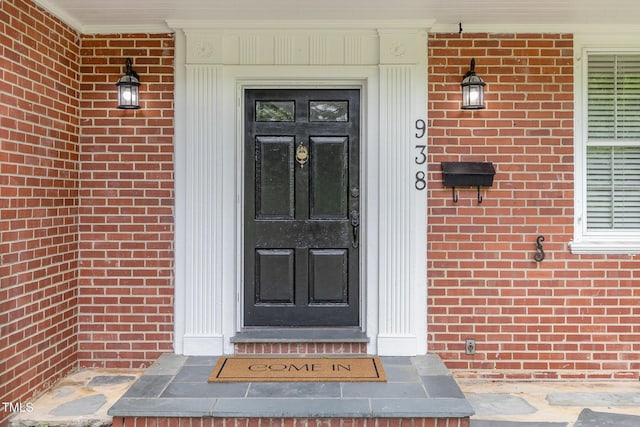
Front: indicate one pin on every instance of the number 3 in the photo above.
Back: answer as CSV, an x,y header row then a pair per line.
x,y
422,156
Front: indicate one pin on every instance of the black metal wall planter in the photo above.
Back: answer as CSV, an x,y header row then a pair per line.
x,y
467,174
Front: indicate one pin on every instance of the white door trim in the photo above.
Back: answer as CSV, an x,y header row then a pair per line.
x,y
286,77
212,68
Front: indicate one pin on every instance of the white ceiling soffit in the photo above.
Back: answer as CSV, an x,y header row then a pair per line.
x,y
142,16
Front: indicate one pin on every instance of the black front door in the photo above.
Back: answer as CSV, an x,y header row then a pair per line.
x,y
302,208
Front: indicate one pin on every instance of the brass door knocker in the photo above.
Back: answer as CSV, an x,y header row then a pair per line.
x,y
302,155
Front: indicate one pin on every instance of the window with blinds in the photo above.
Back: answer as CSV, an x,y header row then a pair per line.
x,y
613,142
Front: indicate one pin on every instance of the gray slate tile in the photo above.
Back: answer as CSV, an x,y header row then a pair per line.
x,y
401,373
191,390
148,386
395,361
594,399
202,360
440,408
487,404
442,386
430,364
196,407
312,390
589,418
194,374
378,390
167,364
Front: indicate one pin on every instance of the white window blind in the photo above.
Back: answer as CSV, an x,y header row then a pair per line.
x,y
613,142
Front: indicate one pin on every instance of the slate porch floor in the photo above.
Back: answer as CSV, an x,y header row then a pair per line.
x,y
420,386
177,386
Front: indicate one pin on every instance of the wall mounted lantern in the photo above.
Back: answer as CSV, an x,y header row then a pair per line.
x,y
472,89
128,86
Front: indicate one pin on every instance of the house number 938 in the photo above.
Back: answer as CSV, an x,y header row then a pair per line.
x,y
421,156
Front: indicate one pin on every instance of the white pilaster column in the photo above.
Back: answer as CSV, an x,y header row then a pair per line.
x,y
402,230
203,217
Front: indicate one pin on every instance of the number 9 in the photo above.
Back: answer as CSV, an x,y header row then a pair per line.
x,y
421,126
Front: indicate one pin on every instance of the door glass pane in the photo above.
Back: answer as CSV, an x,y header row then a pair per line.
x,y
329,111
275,111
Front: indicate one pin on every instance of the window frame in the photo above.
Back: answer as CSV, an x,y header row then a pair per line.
x,y
587,241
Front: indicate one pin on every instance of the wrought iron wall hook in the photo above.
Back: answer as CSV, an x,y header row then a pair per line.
x,y
479,196
539,256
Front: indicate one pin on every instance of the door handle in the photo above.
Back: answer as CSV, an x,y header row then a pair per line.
x,y
355,226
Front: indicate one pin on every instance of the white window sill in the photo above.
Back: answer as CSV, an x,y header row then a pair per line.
x,y
605,247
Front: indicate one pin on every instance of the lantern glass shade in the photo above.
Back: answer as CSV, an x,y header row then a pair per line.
x,y
128,86
472,90
128,92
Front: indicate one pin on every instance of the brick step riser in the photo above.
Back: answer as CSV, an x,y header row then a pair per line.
x,y
288,422
300,348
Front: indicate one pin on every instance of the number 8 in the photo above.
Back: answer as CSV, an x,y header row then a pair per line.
x,y
421,183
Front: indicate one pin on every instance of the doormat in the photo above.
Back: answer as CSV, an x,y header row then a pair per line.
x,y
298,369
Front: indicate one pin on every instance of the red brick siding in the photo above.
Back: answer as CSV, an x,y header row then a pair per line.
x,y
289,422
301,348
126,203
38,201
571,315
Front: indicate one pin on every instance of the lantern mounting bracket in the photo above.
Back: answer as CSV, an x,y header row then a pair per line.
x,y
129,71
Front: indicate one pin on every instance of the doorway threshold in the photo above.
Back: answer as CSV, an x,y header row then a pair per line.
x,y
300,335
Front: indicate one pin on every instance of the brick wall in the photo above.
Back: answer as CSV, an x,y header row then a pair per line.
x,y
126,203
38,201
87,194
289,422
86,219
569,316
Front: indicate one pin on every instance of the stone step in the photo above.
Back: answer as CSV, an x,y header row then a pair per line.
x,y
417,388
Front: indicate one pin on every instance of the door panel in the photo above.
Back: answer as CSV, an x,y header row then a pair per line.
x,y
274,278
329,181
301,190
329,276
274,177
